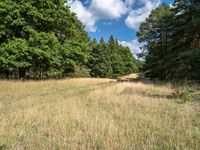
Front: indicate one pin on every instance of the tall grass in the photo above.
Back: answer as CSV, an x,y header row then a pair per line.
x,y
95,114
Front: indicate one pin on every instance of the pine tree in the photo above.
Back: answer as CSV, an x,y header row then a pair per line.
x,y
116,59
186,37
172,36
102,61
155,31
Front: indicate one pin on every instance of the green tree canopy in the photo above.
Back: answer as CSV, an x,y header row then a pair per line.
x,y
172,37
44,39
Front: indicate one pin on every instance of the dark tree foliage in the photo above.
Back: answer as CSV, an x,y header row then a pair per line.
x,y
101,60
173,41
33,37
44,39
116,59
111,59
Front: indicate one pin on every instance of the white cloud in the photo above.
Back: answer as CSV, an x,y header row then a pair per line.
x,y
134,46
136,16
97,9
129,3
112,9
108,9
83,14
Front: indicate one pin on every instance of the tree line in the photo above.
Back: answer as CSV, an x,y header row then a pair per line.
x,y
44,39
111,59
172,36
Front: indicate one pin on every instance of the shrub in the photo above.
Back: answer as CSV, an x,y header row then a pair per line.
x,y
186,95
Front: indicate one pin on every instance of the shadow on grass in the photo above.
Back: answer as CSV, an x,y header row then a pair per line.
x,y
171,96
157,95
131,91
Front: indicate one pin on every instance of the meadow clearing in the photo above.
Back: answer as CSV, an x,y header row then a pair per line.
x,y
95,114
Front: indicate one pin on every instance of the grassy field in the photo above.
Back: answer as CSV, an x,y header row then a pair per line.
x,y
95,114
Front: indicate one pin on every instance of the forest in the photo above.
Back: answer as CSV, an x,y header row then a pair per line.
x,y
44,39
172,36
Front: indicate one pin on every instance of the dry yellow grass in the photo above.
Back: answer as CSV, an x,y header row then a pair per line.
x,y
94,114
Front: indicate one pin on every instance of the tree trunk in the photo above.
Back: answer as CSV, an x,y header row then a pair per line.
x,y
22,73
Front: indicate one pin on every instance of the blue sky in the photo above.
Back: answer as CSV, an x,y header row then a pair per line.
x,y
120,18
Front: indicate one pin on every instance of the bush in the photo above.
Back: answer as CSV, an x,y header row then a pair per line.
x,y
186,95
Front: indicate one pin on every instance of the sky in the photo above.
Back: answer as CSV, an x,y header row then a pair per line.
x,y
120,18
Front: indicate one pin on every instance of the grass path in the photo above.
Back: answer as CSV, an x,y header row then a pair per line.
x,y
95,114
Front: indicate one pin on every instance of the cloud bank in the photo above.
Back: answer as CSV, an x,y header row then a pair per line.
x,y
111,10
134,12
136,16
